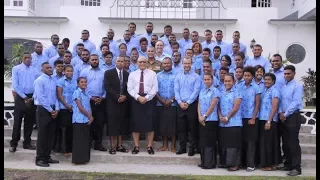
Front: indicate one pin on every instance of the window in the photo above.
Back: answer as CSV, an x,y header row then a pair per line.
x,y
90,2
169,3
6,2
32,5
260,3
18,3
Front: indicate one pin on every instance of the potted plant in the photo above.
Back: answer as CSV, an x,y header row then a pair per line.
x,y
309,86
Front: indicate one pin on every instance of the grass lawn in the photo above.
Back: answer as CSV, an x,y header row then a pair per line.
x,y
12,174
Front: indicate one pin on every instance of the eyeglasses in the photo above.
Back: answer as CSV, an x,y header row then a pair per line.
x,y
142,62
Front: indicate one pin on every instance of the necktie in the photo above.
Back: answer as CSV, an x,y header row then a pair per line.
x,y
141,86
121,81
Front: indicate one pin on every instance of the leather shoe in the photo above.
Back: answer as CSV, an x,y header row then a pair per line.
x,y
294,172
29,146
42,163
100,148
13,149
52,161
191,153
283,168
181,151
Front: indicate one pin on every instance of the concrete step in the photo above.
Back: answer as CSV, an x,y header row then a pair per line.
x,y
164,158
307,138
305,148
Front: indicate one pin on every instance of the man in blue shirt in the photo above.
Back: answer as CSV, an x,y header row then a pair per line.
x,y
86,42
186,91
52,50
236,38
257,59
23,76
113,43
45,97
208,41
289,114
95,89
38,57
278,70
83,64
77,58
185,40
148,34
59,56
223,45
129,41
177,65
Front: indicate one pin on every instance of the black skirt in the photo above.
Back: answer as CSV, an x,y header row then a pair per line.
x,y
118,122
230,144
142,120
166,120
270,153
250,133
81,143
208,134
208,141
64,132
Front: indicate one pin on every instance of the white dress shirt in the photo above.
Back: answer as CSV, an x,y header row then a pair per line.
x,y
150,83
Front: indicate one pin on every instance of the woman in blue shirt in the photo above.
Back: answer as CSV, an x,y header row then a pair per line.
x,y
270,154
65,89
250,112
81,119
208,119
230,125
260,71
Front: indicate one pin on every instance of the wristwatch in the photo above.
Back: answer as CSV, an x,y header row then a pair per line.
x,y
268,122
227,118
172,100
205,116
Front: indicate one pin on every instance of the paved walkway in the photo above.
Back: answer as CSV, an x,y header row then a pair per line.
x,y
146,169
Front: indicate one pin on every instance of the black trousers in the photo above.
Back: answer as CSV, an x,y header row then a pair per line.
x,y
28,113
98,113
291,143
46,132
188,123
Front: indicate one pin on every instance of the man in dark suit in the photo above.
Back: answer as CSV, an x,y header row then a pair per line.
x,y
115,84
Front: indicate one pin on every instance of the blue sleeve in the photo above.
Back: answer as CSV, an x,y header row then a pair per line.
x,y
82,73
177,89
74,49
46,52
15,83
296,101
267,66
275,93
196,90
39,91
76,95
238,94
60,82
258,89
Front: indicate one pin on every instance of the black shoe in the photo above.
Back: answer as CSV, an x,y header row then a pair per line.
x,y
181,151
294,172
199,165
42,163
150,151
13,149
283,168
35,127
209,167
191,153
51,161
29,146
100,148
135,150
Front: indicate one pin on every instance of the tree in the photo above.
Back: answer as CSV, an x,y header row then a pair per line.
x,y
309,84
17,51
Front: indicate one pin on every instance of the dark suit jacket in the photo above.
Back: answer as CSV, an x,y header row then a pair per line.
x,y
112,84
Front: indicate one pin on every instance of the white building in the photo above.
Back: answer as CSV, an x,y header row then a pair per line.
x,y
275,24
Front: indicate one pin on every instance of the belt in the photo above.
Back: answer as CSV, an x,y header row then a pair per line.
x,y
52,106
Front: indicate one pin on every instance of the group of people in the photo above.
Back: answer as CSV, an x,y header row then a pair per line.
x,y
210,96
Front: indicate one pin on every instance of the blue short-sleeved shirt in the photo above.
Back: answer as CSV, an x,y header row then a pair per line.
x,y
205,98
68,88
84,98
226,105
266,103
248,99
